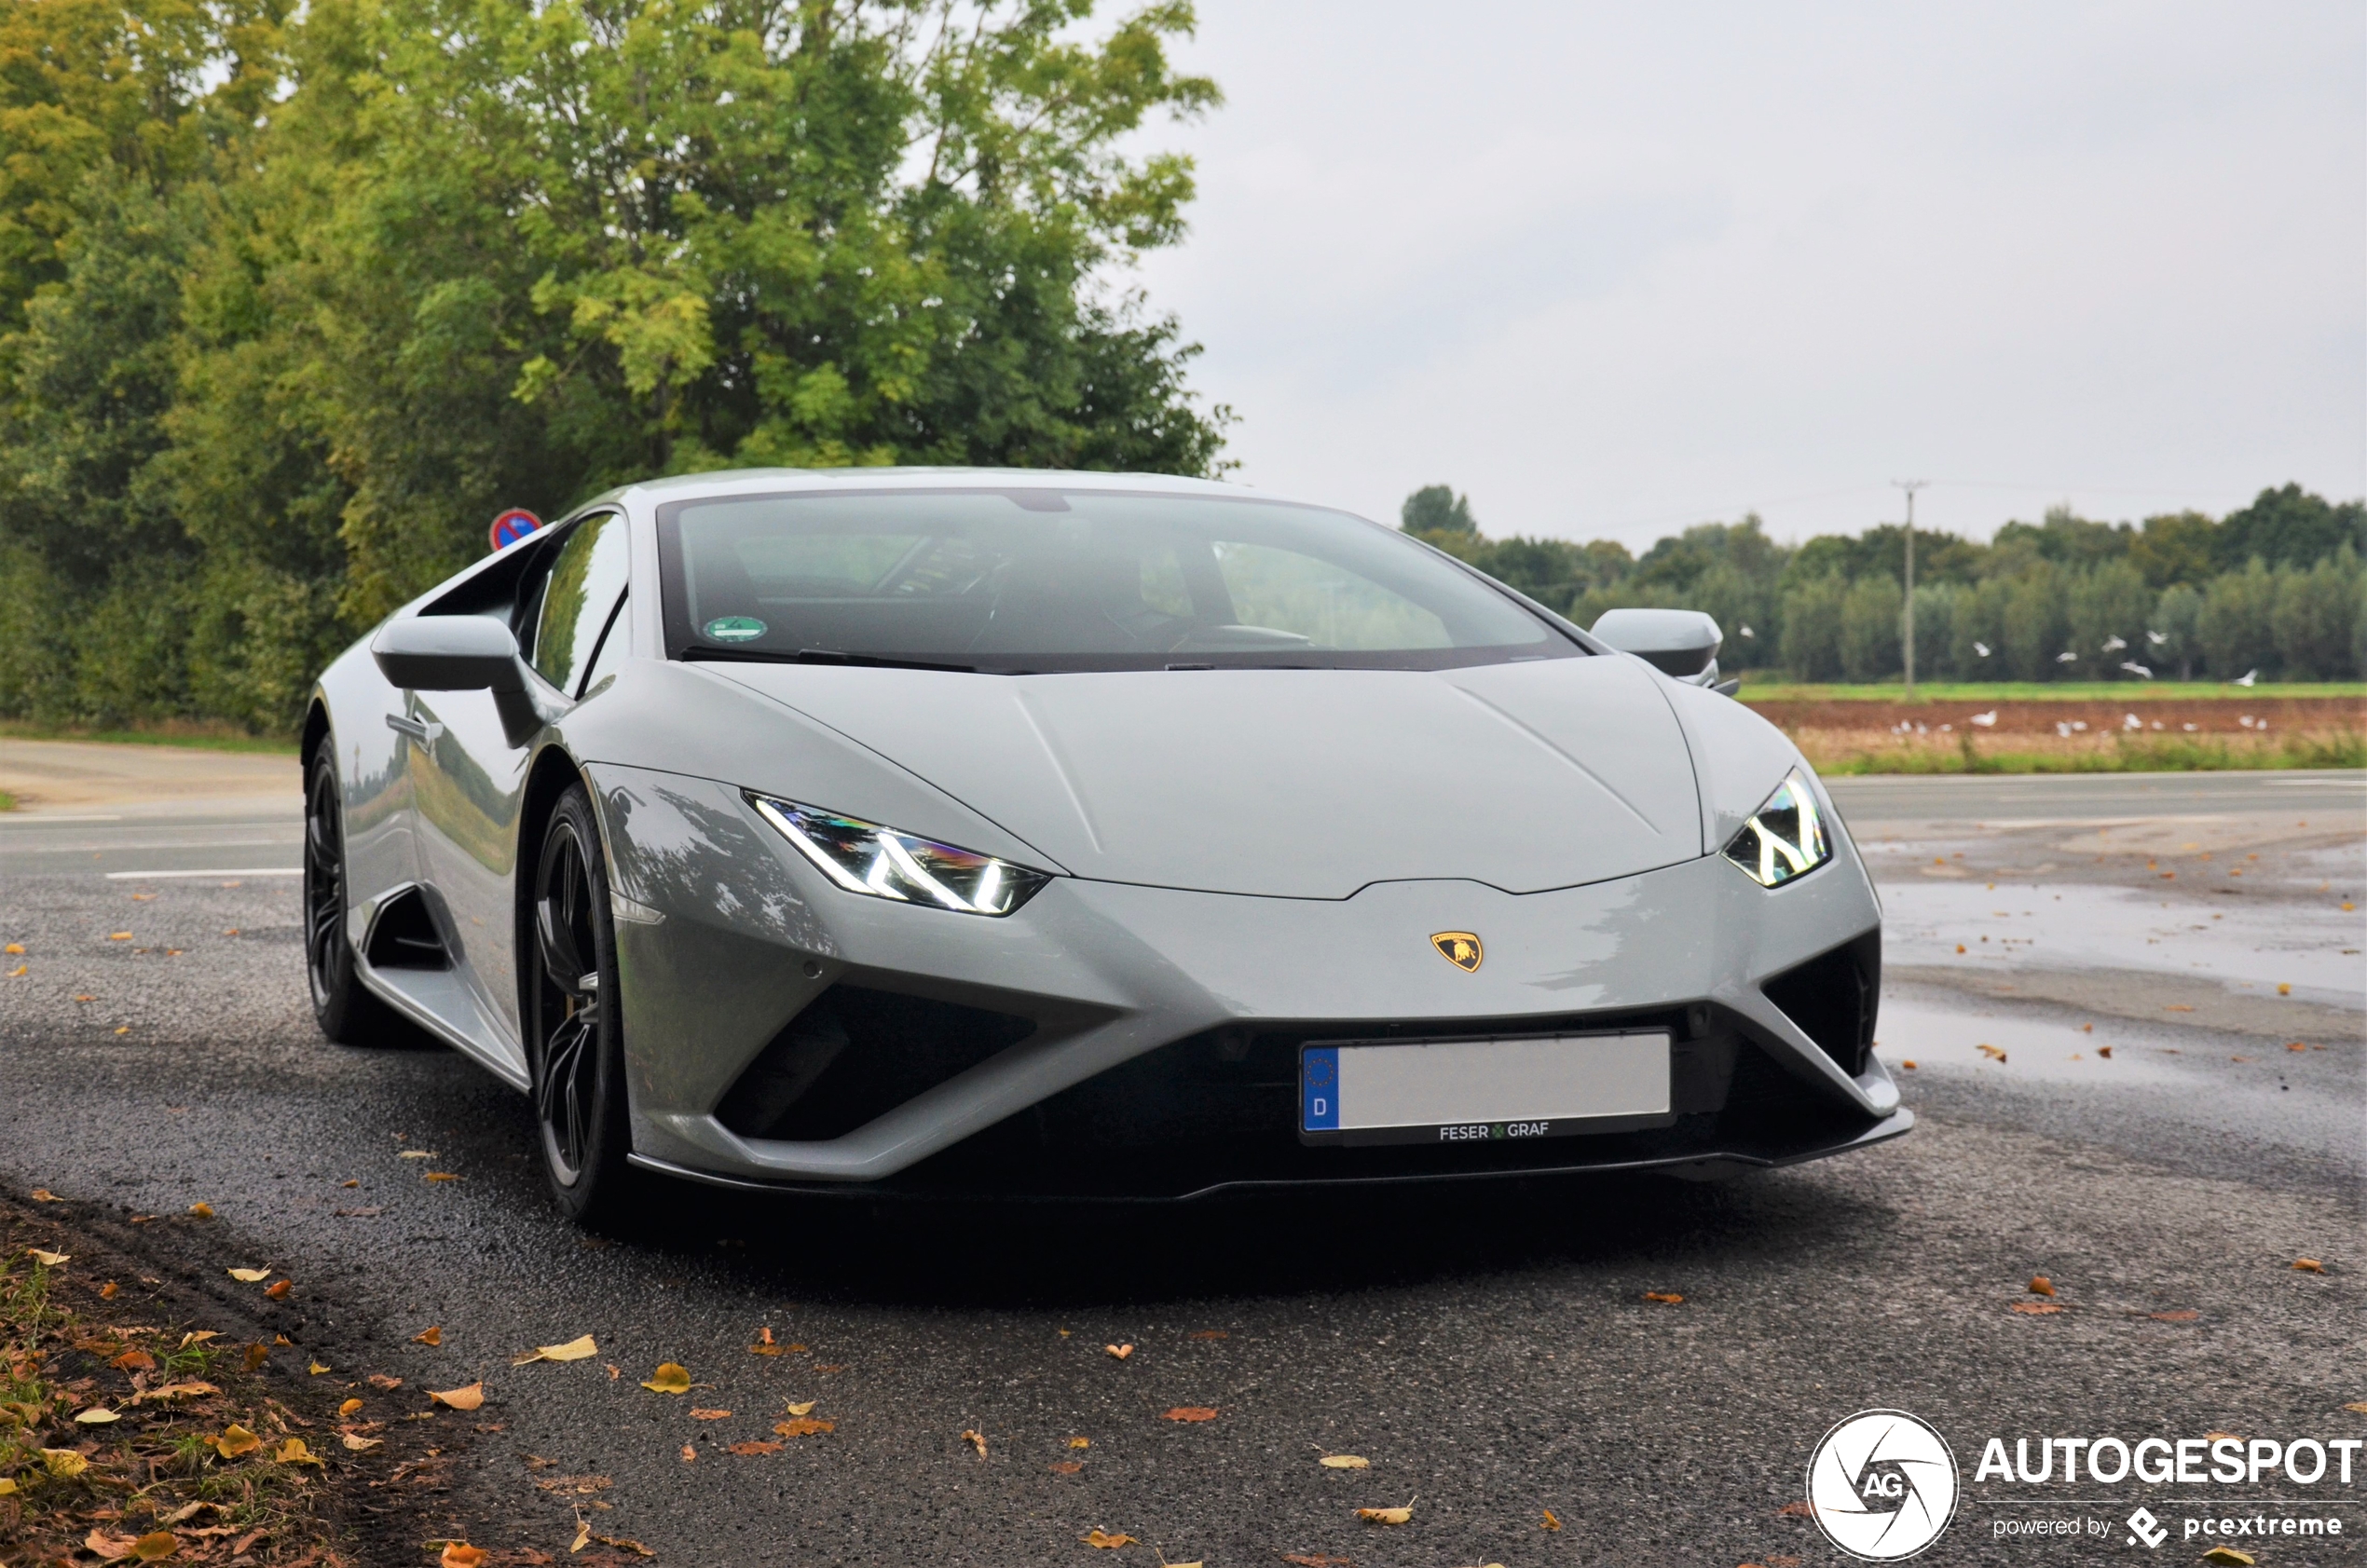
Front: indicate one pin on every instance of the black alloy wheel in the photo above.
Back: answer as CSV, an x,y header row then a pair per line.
x,y
579,1080
346,1013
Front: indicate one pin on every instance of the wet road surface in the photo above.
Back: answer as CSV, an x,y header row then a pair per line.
x,y
1490,1350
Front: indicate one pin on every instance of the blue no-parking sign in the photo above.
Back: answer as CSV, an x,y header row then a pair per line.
x,y
513,525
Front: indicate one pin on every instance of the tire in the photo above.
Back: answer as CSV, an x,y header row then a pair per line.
x,y
344,1008
576,1038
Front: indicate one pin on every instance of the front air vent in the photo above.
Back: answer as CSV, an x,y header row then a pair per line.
x,y
402,934
854,1055
1832,998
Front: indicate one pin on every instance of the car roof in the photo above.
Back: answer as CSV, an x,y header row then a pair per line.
x,y
758,482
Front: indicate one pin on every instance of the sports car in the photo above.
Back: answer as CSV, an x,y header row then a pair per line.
x,y
1097,835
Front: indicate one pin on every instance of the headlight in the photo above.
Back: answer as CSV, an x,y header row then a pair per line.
x,y
864,857
1785,838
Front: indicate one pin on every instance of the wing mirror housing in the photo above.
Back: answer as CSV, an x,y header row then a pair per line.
x,y
448,653
1678,643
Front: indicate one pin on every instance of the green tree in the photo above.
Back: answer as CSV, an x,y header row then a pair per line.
x,y
2315,617
2177,618
1935,630
2289,527
1812,627
2037,624
2107,607
2235,626
2068,539
2174,547
1437,509
1977,640
1869,628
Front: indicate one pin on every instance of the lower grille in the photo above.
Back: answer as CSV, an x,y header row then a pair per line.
x,y
855,1053
1833,997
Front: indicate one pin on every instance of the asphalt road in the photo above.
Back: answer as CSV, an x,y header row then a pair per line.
x,y
1489,1350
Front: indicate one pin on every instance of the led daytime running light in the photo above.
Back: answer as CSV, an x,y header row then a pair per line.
x,y
879,862
1784,839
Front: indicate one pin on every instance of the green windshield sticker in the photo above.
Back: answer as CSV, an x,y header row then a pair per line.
x,y
735,628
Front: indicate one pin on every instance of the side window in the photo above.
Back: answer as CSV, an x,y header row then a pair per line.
x,y
614,643
584,583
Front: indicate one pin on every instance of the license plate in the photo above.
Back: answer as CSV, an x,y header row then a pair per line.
x,y
1472,1091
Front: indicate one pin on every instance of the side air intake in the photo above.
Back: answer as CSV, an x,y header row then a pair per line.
x,y
855,1053
402,935
1832,998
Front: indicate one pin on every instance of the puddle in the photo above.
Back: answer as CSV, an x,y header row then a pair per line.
x,y
2018,925
1950,1040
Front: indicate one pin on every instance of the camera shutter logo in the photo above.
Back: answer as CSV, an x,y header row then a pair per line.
x,y
1883,1485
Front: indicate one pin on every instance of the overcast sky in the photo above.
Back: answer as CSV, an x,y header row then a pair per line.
x,y
1613,269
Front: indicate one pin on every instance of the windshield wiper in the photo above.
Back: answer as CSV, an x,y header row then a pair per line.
x,y
821,656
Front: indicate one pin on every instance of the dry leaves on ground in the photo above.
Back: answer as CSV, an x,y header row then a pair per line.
x,y
1550,1523
765,1345
356,1443
2182,1315
202,1210
805,1409
1066,1467
1344,1462
671,1377
581,1349
1209,1334
467,1398
1991,1052
1080,1443
279,1291
1802,1509
1189,1412
51,1260
755,1448
2309,1265
1097,1537
2041,1286
2035,1309
976,1439
2228,1557
97,1416
251,1276
233,1442
294,1452
1667,1298
431,1335
459,1554
804,1426
1387,1516
383,1382
1120,1351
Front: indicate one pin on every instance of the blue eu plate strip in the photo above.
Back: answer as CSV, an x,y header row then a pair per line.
x,y
1319,1082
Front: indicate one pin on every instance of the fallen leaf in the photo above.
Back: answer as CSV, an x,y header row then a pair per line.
x,y
63,1463
582,1537
467,1398
805,1409
1080,1443
2036,1308
459,1554
1802,1509
690,1455
581,1349
804,1426
441,1176
382,1381
355,1182
119,936
2297,1045
1189,1412
1387,1516
202,1210
1991,1052
2222,1437
233,1442
2104,1051
710,1416
1210,1334
2184,1315
1550,1522
280,1292
764,1344
1910,1066
977,1440
1315,1560
2041,1286
250,1277
1119,1351
113,1549
671,1377
1669,1298
428,1336
2358,1407
106,1291
47,1259
417,1154
97,1416
134,1360
753,1448
13,948
1097,1537
42,1195
178,1391
2229,1557
2309,1265
1344,1462
293,1452
2177,1007
839,1367
359,1444
8,1488
317,1368
1066,1467
623,1543
256,1355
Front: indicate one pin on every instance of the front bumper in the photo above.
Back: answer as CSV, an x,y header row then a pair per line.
x,y
1151,1033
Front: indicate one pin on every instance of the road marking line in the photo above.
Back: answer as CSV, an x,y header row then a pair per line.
x,y
238,871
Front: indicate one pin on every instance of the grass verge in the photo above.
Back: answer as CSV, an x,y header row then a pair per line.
x,y
134,1442
8,801
1852,752
198,737
2042,691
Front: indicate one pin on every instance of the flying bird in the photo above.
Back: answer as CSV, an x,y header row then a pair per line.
x,y
2246,678
2113,645
2140,671
2157,638
1981,648
2067,657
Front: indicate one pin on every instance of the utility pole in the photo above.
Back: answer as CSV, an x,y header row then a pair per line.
x,y
1908,625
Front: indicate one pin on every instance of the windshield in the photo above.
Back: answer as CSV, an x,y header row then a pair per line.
x,y
1012,580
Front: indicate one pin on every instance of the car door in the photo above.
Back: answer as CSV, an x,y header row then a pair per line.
x,y
469,778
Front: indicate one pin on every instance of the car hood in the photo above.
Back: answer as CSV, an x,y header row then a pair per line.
x,y
1303,784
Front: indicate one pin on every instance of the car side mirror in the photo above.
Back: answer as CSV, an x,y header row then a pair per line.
x,y
448,653
1679,643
